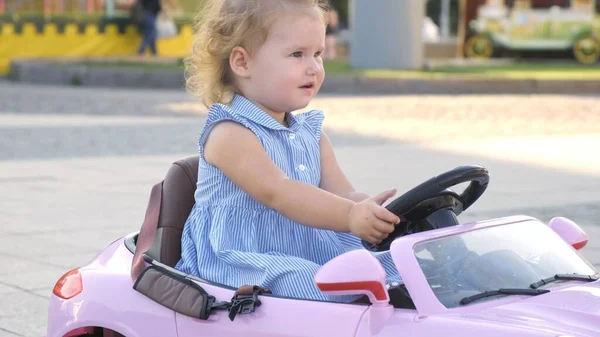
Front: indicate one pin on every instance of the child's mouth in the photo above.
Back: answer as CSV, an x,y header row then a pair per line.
x,y
307,86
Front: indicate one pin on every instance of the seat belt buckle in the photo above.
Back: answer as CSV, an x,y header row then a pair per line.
x,y
244,304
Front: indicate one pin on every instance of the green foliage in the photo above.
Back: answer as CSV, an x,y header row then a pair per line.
x,y
76,80
341,6
190,6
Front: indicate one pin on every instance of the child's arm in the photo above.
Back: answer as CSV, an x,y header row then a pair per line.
x,y
237,152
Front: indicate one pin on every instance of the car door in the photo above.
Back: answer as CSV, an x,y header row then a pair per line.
x,y
277,317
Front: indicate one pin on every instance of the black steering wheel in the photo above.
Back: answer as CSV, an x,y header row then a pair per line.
x,y
433,204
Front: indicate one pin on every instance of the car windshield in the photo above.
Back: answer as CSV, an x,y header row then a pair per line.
x,y
488,259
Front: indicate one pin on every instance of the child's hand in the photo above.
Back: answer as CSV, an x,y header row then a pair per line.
x,y
370,221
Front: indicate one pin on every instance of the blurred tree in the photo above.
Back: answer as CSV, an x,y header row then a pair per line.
x,y
191,6
341,6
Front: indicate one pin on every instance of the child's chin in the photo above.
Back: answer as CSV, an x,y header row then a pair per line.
x,y
305,101
301,105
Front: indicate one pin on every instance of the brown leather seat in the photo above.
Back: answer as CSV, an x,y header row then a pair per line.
x,y
177,202
170,204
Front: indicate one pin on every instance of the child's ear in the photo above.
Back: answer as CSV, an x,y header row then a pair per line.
x,y
238,61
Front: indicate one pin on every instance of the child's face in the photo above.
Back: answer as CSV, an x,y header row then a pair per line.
x,y
287,71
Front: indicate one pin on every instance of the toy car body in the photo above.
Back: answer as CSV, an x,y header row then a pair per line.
x,y
446,274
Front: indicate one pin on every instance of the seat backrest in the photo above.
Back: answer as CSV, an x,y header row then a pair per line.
x,y
178,190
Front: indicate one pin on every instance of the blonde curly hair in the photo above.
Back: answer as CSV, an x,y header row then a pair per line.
x,y
222,25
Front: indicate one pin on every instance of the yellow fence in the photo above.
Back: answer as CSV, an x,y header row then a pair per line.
x,y
90,43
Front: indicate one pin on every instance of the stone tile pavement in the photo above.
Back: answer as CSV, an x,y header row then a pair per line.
x,y
77,165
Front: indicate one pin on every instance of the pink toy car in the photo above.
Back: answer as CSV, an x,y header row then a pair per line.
x,y
504,277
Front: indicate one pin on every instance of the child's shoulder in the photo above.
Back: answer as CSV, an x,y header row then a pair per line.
x,y
312,121
244,112
313,113
312,118
221,112
239,109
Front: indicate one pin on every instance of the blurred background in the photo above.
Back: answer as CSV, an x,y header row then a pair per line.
x,y
450,29
91,116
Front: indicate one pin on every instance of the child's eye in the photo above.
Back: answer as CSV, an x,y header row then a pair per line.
x,y
297,54
317,54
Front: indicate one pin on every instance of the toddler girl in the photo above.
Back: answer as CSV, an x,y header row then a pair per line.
x,y
272,204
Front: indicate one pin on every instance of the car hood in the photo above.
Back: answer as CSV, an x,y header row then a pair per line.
x,y
573,311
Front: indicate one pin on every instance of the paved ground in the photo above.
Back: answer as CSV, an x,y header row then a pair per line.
x,y
77,166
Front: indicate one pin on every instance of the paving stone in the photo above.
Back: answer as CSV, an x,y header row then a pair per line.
x,y
7,333
73,186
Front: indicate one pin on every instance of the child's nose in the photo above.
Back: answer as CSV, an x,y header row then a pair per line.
x,y
314,67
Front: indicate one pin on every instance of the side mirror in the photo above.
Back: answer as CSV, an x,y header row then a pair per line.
x,y
569,231
353,273
358,273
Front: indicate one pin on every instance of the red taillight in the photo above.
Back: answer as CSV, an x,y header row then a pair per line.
x,y
69,285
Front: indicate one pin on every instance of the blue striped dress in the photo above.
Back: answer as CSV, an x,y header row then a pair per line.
x,y
232,239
